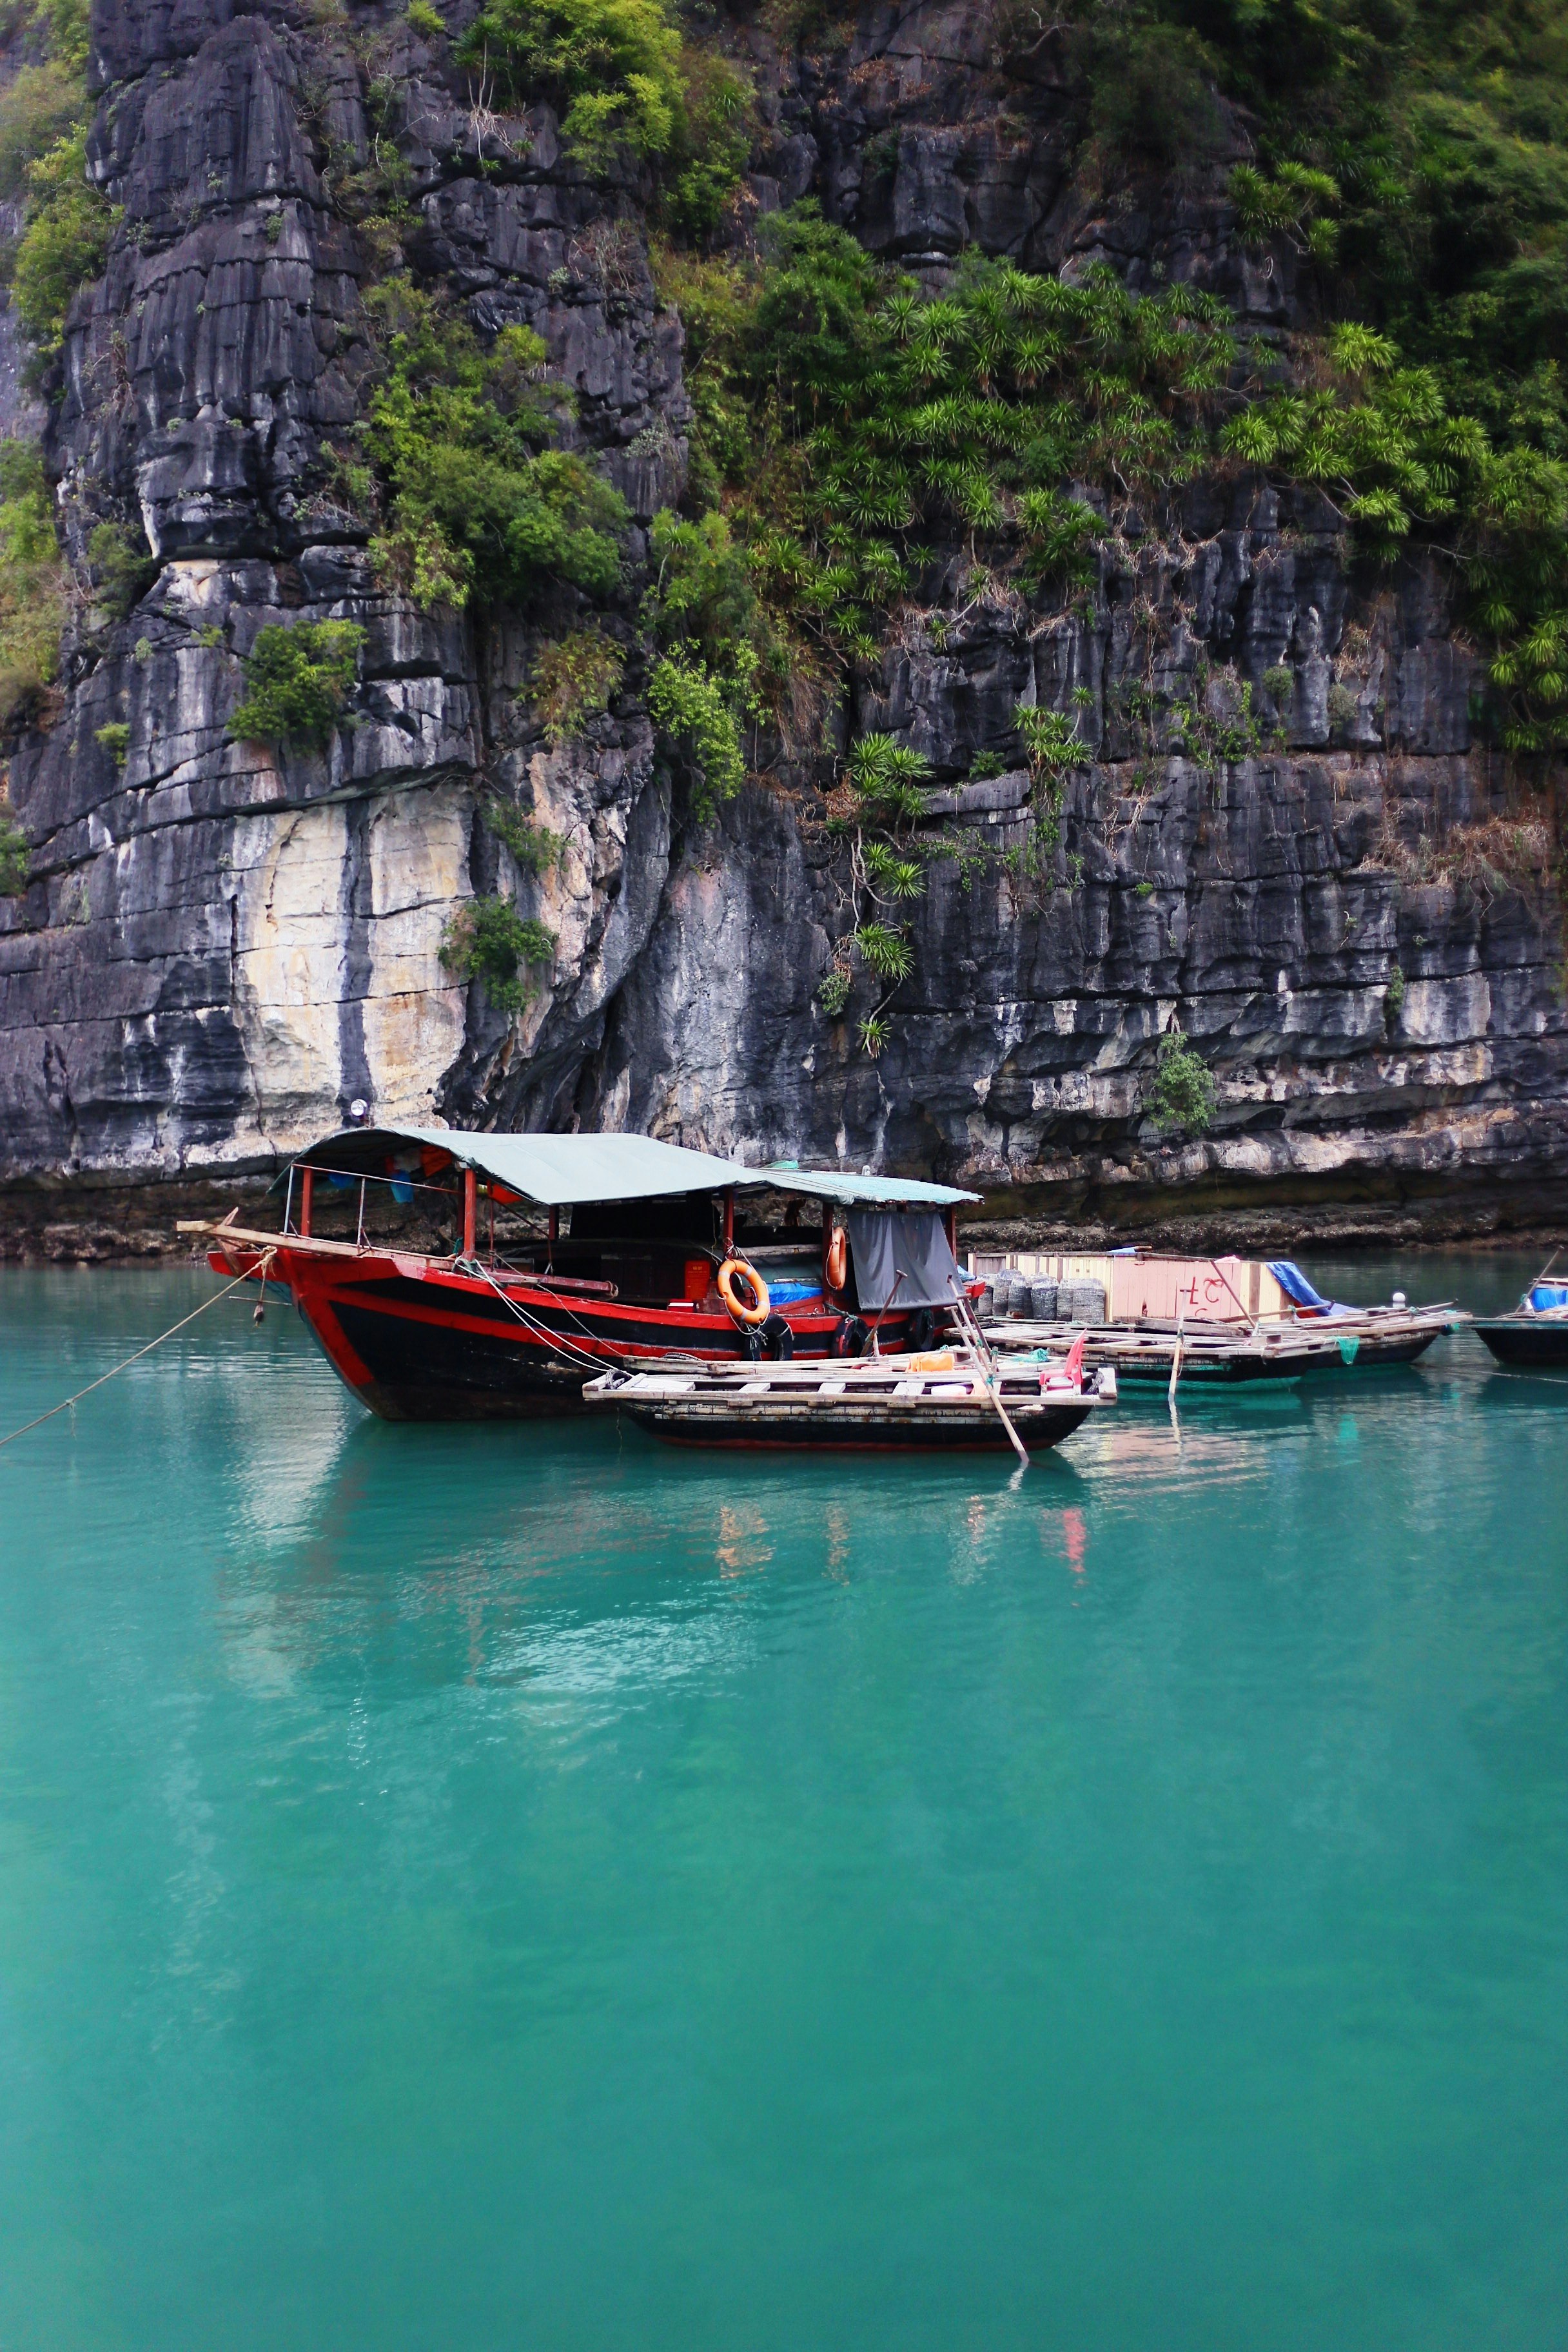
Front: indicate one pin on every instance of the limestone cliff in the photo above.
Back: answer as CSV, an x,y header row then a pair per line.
x,y
223,945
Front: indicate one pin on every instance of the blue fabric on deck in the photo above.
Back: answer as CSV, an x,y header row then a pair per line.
x,y
790,1293
1549,1294
1295,1285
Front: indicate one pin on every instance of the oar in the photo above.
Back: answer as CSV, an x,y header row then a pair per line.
x,y
969,1323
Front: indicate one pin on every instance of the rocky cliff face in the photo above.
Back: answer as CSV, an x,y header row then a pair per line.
x,y
223,947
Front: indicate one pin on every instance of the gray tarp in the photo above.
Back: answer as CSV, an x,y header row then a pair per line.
x,y
914,1245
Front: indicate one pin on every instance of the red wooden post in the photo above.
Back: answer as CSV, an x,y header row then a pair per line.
x,y
555,1229
827,1237
730,1222
471,1211
306,1186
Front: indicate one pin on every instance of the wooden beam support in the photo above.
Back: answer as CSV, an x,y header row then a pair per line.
x,y
470,1212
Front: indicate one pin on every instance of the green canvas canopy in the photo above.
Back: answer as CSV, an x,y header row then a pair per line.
x,y
559,1170
862,1192
555,1170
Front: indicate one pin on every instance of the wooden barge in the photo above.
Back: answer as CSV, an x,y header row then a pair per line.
x,y
1219,1353
1239,1319
891,1404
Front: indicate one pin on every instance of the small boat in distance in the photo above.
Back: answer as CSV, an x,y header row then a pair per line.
x,y
451,1276
1535,1336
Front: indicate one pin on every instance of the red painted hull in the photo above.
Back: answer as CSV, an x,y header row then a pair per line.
x,y
418,1342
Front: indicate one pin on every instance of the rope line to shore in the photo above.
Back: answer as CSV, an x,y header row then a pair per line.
x,y
67,1401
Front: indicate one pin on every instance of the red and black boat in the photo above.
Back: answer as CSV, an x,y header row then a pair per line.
x,y
450,1275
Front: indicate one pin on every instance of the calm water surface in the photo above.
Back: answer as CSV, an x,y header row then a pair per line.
x,y
470,1888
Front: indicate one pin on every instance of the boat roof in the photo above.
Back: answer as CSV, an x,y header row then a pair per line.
x,y
555,1170
558,1170
867,1191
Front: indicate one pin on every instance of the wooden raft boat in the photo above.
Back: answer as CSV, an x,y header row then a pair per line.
x,y
1218,1353
1209,1356
1223,1306
880,1403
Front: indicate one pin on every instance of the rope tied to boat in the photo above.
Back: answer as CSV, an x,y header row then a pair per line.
x,y
257,1274
578,1358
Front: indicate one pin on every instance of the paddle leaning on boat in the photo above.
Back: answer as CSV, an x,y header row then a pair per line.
x,y
450,1275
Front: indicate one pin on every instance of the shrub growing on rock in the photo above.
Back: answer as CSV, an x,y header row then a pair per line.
x,y
612,65
124,564
534,846
65,243
298,681
698,720
573,681
474,500
32,582
43,104
15,853
1183,1096
489,941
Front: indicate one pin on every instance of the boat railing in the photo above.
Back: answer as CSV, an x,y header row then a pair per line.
x,y
349,1175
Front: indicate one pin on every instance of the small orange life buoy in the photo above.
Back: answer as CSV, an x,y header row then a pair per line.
x,y
744,1292
836,1266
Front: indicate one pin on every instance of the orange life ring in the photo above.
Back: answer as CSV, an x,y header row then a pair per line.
x,y
836,1266
735,1274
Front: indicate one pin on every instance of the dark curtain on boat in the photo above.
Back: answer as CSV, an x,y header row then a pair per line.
x,y
889,1244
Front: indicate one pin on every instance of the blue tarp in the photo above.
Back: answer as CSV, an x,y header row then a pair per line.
x,y
1295,1285
1301,1293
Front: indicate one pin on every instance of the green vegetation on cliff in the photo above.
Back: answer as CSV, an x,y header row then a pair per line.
x,y
488,940
297,681
1417,153
470,493
32,582
45,112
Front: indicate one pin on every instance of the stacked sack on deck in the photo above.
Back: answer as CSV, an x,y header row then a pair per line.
x,y
1039,1299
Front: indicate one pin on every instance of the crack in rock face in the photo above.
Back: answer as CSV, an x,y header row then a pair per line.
x,y
223,943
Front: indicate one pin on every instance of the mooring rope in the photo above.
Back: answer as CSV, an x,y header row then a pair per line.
x,y
64,1406
578,1357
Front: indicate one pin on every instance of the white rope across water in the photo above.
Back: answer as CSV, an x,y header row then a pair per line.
x,y
66,1403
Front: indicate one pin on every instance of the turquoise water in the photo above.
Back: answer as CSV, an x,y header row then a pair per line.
x,y
470,1888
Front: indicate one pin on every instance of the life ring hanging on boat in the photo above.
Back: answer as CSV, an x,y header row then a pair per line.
x,y
835,1265
745,1293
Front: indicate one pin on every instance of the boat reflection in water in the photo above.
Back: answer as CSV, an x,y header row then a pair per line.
x,y
450,1276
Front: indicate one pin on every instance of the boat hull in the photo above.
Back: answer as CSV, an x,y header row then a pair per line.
x,y
1527,1341
435,1345
1135,1356
861,1430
